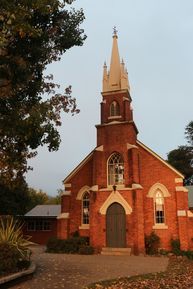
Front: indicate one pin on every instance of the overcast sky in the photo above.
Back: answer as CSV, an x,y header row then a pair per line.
x,y
155,39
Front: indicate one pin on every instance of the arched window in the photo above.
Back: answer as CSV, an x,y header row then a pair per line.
x,y
114,109
115,169
85,208
159,208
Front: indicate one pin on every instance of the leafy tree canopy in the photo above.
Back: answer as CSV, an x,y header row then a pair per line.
x,y
33,34
36,197
182,157
19,199
189,133
14,200
56,200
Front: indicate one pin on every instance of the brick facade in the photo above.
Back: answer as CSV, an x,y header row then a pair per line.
x,y
41,236
145,173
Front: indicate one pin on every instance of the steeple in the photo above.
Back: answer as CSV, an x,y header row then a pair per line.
x,y
117,78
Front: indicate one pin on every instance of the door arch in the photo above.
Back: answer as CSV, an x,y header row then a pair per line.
x,y
116,226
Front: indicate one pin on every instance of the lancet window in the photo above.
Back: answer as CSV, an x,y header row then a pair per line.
x,y
114,109
159,208
85,208
115,170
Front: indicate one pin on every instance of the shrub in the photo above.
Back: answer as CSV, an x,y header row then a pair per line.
x,y
13,246
175,244
70,246
86,250
53,245
152,243
23,264
188,254
75,234
9,257
163,252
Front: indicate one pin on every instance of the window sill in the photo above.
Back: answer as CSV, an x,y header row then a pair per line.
x,y
115,117
160,226
84,227
118,186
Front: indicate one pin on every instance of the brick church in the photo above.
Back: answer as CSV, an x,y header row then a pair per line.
x,y
123,190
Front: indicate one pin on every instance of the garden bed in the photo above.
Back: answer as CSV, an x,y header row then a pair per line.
x,y
18,276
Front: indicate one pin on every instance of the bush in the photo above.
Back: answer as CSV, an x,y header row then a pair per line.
x,y
9,257
70,246
13,246
53,245
163,252
175,244
188,254
86,250
152,243
23,264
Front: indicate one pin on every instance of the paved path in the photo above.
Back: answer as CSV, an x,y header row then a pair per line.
x,y
56,271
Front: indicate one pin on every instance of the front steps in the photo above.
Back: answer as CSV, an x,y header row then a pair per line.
x,y
116,251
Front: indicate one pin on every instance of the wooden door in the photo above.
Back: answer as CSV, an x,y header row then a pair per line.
x,y
116,226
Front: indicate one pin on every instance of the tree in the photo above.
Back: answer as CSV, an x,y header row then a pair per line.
x,y
182,157
33,34
56,200
189,133
36,198
14,200
19,199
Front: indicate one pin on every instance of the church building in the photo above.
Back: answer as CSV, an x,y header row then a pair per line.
x,y
123,190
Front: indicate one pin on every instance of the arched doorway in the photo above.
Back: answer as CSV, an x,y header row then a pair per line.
x,y
116,226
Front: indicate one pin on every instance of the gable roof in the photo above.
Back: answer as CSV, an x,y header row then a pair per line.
x,y
44,211
159,158
82,163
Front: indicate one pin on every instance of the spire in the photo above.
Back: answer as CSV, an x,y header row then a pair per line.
x,y
117,78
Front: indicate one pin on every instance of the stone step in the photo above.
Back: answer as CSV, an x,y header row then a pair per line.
x,y
116,251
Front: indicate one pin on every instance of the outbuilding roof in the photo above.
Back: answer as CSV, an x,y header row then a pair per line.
x,y
44,211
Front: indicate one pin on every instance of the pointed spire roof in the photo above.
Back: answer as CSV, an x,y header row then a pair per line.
x,y
117,78
115,69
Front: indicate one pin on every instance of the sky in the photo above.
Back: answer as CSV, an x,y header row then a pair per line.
x,y
155,39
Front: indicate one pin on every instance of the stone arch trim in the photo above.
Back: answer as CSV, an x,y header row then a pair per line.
x,y
158,186
82,191
115,197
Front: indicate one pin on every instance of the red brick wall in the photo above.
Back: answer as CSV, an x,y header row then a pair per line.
x,y
41,237
83,177
140,167
120,98
115,135
141,220
154,171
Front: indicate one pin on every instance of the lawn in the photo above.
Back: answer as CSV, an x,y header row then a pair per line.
x,y
179,274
